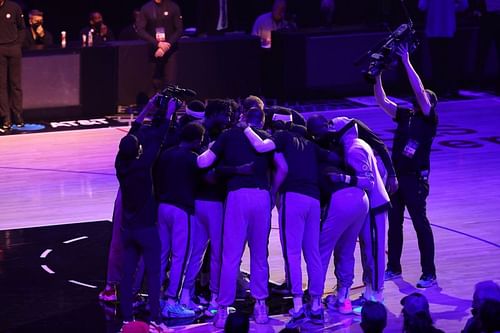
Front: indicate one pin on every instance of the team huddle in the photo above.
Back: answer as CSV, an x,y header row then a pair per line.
x,y
209,180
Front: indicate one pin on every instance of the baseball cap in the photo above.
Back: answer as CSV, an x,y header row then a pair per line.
x,y
415,303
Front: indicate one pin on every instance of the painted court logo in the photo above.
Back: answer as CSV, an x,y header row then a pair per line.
x,y
85,123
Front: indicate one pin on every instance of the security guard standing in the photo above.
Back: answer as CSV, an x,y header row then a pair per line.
x,y
12,30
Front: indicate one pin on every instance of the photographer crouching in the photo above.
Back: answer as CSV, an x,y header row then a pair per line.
x,y
134,162
415,132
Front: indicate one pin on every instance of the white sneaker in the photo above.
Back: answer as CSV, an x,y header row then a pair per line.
x,y
260,313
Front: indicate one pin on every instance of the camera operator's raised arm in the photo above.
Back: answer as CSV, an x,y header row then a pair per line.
x,y
385,103
415,82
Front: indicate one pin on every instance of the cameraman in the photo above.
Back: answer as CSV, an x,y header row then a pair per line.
x,y
137,153
416,129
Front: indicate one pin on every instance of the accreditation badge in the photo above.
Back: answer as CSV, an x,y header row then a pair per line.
x,y
410,148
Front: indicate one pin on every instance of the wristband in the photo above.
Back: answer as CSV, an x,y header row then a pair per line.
x,y
347,179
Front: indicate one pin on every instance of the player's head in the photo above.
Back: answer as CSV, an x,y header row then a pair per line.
x,y
317,126
218,114
191,135
130,147
255,117
250,102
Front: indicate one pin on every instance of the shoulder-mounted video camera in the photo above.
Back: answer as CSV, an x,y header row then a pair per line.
x,y
171,91
384,55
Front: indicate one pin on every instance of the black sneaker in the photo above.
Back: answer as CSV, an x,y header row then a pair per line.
x,y
298,319
391,275
316,316
360,301
427,281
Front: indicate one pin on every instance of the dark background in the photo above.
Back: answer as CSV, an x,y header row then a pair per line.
x,y
72,15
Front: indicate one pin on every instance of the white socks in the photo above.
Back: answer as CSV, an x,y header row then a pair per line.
x,y
297,304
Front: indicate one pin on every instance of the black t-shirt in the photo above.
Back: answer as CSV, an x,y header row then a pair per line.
x,y
232,148
302,158
177,177
413,140
327,187
136,178
211,191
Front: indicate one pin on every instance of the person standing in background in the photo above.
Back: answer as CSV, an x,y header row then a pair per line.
x,y
12,30
440,28
488,12
160,24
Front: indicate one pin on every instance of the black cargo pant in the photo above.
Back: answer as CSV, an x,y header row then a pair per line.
x,y
137,242
412,194
11,95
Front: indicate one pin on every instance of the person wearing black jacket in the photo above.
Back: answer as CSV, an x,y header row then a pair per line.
x,y
160,24
137,154
37,36
12,29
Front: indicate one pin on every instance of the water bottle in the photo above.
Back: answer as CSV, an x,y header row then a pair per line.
x,y
63,39
90,38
